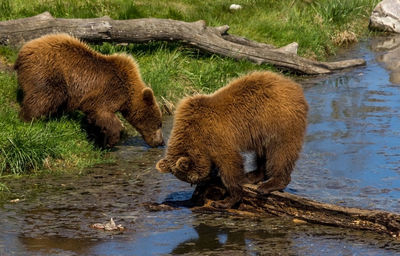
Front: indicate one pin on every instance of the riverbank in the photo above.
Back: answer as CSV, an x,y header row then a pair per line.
x,y
172,70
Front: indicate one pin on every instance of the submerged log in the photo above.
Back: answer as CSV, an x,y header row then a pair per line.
x,y
197,34
288,205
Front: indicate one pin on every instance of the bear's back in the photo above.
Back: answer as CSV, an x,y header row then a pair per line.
x,y
59,42
65,60
258,84
57,51
255,93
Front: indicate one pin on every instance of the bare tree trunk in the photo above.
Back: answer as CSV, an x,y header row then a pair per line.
x,y
197,34
288,205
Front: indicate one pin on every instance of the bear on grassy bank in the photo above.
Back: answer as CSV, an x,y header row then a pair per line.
x,y
262,112
58,73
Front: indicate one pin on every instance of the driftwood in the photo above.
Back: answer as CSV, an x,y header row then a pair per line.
x,y
210,39
288,205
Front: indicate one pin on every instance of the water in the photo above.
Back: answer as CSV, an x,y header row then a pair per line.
x,y
352,150
351,157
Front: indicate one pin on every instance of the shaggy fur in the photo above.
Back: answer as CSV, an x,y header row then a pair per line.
x,y
261,112
59,73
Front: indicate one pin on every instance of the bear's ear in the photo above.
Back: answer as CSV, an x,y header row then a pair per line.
x,y
162,166
183,163
148,96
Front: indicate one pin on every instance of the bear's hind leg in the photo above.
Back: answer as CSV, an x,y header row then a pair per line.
x,y
279,165
39,102
110,125
257,175
232,175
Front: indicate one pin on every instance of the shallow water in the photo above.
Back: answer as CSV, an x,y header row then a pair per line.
x,y
352,151
351,157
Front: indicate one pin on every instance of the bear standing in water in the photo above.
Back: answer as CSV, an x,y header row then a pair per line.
x,y
59,73
262,112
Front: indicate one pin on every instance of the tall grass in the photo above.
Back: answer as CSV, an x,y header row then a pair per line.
x,y
342,11
123,9
26,147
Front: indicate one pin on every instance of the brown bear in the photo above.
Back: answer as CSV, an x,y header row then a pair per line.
x,y
59,73
262,112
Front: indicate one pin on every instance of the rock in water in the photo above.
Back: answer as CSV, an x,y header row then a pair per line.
x,y
386,16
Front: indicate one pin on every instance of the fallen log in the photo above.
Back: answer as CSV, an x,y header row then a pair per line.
x,y
287,205
210,39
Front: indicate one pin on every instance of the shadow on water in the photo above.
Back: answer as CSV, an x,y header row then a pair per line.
x,y
351,157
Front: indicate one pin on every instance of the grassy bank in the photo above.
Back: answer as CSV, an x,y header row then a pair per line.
x,y
171,69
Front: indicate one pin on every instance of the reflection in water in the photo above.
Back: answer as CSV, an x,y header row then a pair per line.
x,y
53,246
225,238
388,53
351,157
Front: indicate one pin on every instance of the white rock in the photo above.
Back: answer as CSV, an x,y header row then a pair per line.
x,y
235,7
386,16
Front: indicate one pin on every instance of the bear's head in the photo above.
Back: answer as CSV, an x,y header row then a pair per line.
x,y
185,168
145,115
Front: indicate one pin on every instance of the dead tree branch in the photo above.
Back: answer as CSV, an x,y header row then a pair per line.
x,y
209,39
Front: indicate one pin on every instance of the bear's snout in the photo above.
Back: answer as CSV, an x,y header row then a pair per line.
x,y
155,139
159,138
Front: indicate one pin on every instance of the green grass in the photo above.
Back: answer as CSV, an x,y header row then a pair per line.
x,y
9,54
171,69
342,11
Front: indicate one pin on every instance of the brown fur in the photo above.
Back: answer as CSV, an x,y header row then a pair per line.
x,y
60,73
262,112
